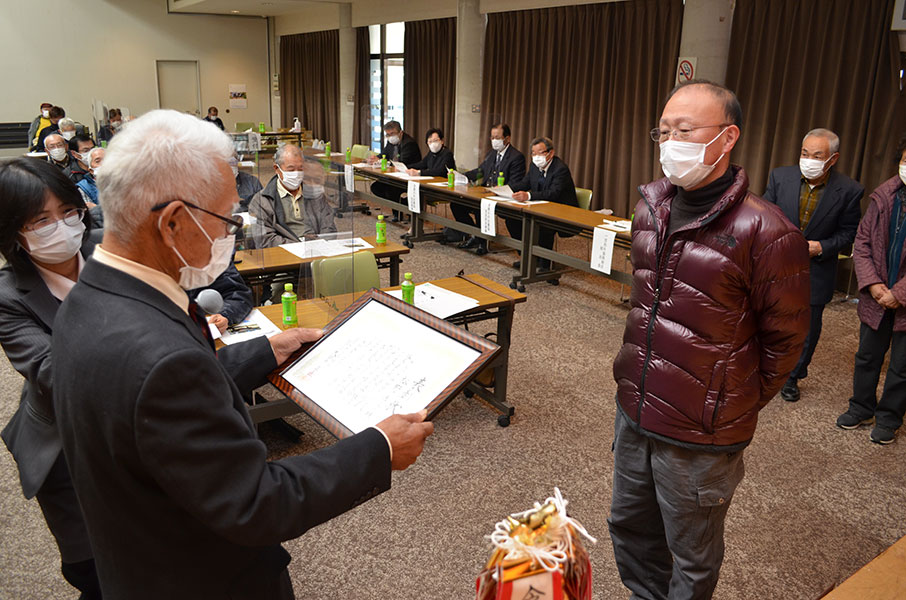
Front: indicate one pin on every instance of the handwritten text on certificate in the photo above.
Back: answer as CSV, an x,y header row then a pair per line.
x,y
379,363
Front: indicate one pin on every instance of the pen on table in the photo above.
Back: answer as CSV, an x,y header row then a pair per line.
x,y
243,328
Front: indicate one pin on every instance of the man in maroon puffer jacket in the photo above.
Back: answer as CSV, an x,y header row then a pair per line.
x,y
720,310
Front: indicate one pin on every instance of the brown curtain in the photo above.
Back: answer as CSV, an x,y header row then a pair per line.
x,y
430,78
361,133
593,78
310,77
801,64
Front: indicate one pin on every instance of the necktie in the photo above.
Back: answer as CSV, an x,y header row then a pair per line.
x,y
201,322
497,163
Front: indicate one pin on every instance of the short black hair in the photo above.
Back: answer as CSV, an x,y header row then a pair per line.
x,y
504,126
732,109
901,147
74,142
57,112
210,108
114,112
24,185
432,131
548,143
393,126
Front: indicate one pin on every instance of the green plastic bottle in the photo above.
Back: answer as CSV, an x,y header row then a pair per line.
x,y
327,149
348,155
383,163
451,178
290,319
408,289
261,127
500,180
380,230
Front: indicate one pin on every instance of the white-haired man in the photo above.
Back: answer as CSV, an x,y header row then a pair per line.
x,y
826,206
178,495
57,151
292,205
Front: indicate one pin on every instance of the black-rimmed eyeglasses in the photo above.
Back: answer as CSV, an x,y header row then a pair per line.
x,y
232,225
680,134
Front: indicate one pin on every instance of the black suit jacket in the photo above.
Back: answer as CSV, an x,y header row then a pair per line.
x,y
435,164
178,495
27,312
406,152
512,166
556,186
833,224
237,297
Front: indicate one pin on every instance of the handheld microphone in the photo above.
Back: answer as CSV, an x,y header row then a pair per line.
x,y
210,301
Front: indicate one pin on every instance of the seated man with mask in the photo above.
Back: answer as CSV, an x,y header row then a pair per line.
x,y
79,146
247,185
285,209
57,151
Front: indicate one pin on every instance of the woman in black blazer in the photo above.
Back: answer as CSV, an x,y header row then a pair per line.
x,y
439,159
44,239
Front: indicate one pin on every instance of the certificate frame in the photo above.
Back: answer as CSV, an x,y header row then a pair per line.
x,y
487,351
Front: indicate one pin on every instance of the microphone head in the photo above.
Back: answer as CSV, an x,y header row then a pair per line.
x,y
210,301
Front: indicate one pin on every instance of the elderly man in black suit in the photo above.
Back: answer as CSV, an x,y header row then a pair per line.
x,y
825,205
548,179
175,486
400,147
502,159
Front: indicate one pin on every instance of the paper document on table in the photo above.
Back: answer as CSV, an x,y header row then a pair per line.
x,y
440,302
527,202
349,174
247,163
400,167
317,248
619,226
324,155
459,179
355,244
255,325
602,249
502,190
392,373
440,183
501,199
414,197
488,216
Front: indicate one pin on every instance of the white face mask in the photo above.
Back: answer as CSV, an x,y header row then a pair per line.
x,y
497,145
291,179
812,168
59,246
235,171
393,140
116,124
58,154
45,114
67,135
435,146
191,277
903,173
539,160
682,162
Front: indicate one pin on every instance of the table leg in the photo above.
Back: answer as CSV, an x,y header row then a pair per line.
x,y
395,270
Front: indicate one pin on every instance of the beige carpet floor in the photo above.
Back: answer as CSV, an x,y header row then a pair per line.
x,y
816,504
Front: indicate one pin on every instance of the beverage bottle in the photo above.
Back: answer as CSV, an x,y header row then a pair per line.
x,y
451,178
380,230
408,289
348,155
327,149
500,180
290,319
383,163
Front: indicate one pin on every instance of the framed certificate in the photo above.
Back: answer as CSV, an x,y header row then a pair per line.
x,y
379,357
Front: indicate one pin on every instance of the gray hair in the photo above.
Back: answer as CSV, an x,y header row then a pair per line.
x,y
86,158
163,155
52,135
285,149
833,140
66,122
548,143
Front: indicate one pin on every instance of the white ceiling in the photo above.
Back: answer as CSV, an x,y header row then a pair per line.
x,y
258,8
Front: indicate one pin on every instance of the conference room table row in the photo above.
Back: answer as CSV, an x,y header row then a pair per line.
x,y
567,220
495,302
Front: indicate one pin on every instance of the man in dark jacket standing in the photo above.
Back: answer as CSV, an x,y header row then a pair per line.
x,y
826,206
718,318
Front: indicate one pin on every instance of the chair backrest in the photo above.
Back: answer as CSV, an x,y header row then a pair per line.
x,y
243,126
360,151
345,274
583,196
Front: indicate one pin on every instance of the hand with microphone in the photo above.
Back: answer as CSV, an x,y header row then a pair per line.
x,y
211,302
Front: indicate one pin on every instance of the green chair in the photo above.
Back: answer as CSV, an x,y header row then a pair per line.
x,y
360,151
240,127
344,274
583,196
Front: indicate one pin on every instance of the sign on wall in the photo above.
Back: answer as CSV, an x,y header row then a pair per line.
x,y
238,96
685,68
